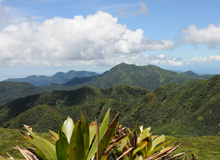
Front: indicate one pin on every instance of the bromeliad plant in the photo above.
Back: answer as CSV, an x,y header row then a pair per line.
x,y
81,141
141,145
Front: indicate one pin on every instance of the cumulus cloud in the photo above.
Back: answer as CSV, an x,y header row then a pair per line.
x,y
209,35
138,59
61,41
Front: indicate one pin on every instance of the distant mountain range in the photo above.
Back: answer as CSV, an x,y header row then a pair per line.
x,y
58,78
143,76
192,108
192,74
149,77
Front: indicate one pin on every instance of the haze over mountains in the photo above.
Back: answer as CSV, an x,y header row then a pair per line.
x,y
172,103
149,77
58,78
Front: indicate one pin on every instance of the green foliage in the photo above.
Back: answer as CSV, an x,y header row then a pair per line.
x,y
188,109
205,147
171,109
141,144
12,90
74,141
84,142
53,107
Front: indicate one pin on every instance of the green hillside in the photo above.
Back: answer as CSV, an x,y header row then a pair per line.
x,y
58,78
12,90
192,108
54,106
150,77
192,74
78,80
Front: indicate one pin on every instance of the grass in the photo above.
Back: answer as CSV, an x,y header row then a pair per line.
x,y
204,148
10,138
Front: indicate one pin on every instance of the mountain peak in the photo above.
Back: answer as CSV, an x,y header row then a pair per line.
x,y
150,77
191,73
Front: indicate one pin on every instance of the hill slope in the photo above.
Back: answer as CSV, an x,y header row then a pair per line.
x,y
78,80
12,90
150,77
53,107
192,108
58,78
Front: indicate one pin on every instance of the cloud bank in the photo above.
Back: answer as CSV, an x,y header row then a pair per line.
x,y
210,58
209,36
61,41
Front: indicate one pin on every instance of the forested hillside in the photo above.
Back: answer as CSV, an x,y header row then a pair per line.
x,y
150,77
192,108
12,90
48,110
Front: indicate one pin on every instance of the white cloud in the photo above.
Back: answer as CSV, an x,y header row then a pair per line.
x,y
141,10
61,41
138,59
209,35
210,58
12,15
3,15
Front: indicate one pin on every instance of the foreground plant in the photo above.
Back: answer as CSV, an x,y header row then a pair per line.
x,y
81,141
141,145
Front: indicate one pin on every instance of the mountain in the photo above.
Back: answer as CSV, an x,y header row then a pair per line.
x,y
190,73
191,108
78,80
13,90
150,77
193,74
51,108
58,78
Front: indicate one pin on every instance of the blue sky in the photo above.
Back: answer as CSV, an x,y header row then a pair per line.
x,y
43,37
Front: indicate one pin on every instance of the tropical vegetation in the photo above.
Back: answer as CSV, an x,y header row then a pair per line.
x,y
188,109
80,141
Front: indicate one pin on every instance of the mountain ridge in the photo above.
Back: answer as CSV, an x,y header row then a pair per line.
x,y
192,108
57,78
149,77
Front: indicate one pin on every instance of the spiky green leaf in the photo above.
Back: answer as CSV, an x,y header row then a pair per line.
x,y
76,147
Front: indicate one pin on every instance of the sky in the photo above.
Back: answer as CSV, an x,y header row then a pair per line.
x,y
42,37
